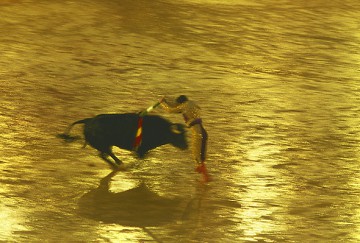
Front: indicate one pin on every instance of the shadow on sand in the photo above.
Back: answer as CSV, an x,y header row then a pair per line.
x,y
137,207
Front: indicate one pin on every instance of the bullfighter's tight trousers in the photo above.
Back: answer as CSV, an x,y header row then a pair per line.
x,y
199,142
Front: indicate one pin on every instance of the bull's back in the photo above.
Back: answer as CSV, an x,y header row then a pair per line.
x,y
107,130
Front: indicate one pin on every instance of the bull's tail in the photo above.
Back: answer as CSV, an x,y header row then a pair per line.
x,y
66,135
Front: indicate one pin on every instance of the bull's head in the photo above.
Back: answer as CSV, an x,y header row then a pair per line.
x,y
178,136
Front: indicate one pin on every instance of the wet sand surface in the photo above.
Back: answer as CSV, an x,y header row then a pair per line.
x,y
278,84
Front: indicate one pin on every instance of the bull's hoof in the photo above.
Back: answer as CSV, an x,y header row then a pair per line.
x,y
120,167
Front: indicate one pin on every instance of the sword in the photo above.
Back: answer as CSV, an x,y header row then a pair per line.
x,y
145,112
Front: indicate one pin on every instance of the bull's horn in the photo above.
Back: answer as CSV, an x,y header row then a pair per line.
x,y
175,129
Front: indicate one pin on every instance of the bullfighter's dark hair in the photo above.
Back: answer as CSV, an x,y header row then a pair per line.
x,y
181,99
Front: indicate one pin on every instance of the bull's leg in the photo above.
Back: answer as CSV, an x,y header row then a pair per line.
x,y
105,157
119,164
117,161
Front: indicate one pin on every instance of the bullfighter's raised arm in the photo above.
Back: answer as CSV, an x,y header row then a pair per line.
x,y
171,107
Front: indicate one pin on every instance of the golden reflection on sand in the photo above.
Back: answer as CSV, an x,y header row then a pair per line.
x,y
12,218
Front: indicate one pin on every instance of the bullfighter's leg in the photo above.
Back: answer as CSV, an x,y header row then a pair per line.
x,y
199,138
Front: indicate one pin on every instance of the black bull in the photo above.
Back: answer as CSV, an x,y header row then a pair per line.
x,y
104,131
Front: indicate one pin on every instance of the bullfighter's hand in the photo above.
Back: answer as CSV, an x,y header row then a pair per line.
x,y
162,99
